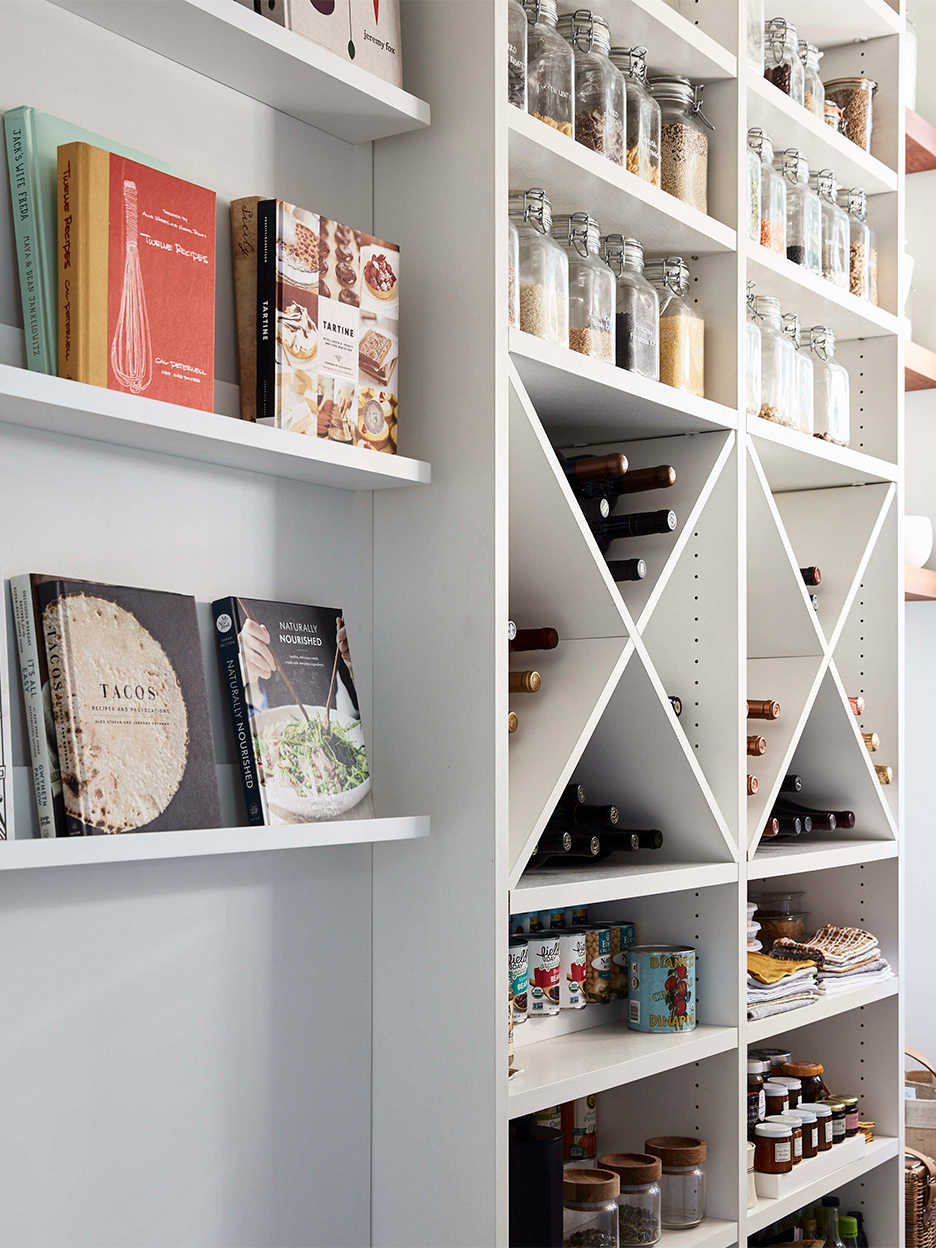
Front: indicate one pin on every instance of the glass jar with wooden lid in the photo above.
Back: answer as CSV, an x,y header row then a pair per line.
x,y
682,1182
589,1208
639,1202
810,1076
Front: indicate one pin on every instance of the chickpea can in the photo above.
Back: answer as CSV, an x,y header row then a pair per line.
x,y
597,964
662,988
572,969
543,954
622,939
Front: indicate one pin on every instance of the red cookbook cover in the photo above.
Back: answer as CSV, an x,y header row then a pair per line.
x,y
136,278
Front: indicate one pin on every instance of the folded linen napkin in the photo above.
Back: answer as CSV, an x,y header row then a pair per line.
x,y
853,968
783,988
850,982
765,1009
865,968
781,994
830,946
768,970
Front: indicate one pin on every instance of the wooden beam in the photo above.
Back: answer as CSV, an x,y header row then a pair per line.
x,y
919,367
919,585
921,144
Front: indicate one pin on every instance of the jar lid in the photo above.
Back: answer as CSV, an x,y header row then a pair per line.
x,y
794,1122
585,31
677,1150
848,1226
803,1070
792,163
540,10
761,143
791,327
774,1130
757,1066
590,1185
867,83
822,341
775,1089
787,1081
671,274
833,1104
805,1112
850,1102
825,184
854,200
682,91
532,206
517,941
750,1155
775,1056
765,305
630,61
821,1109
807,49
779,26
578,230
633,1169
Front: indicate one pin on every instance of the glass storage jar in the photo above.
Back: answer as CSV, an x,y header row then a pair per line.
x,y
810,1076
516,55
683,141
752,184
855,97
752,370
776,1097
851,1112
778,364
682,1183
796,1128
773,1147
835,253
810,1130
682,330
591,286
832,415
755,35
813,90
834,117
804,212
862,251
599,85
639,1199
773,194
550,68
637,315
643,115
589,1209
824,1122
513,271
803,423
793,1086
544,269
782,65
756,1101
838,1121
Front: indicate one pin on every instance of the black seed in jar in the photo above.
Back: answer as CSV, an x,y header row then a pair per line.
x,y
345,273
349,296
590,1238
796,253
630,352
637,1226
780,76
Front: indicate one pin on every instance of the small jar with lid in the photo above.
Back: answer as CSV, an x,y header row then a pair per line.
x,y
516,55
773,194
778,365
777,1057
834,117
824,1122
683,140
796,1129
861,243
835,229
550,68
851,1112
544,269
776,1097
589,1208
756,1101
855,97
773,1147
591,286
513,273
782,65
838,1120
682,1183
793,1086
637,318
643,115
752,359
803,382
682,329
810,1130
639,1202
810,1077
599,85
813,90
804,212
832,411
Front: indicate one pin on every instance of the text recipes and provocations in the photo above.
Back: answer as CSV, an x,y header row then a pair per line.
x,y
288,674
136,278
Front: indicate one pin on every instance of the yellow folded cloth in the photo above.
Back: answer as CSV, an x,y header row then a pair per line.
x,y
771,970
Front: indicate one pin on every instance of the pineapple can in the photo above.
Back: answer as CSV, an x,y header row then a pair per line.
x,y
662,988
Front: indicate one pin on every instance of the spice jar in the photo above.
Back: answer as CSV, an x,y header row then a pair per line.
x,y
682,330
543,271
591,286
752,185
804,213
796,1129
773,194
776,1097
756,1101
513,267
838,1120
810,1129
643,115
637,318
810,1077
550,67
834,117
516,55
831,389
589,1209
599,85
862,251
854,97
803,376
824,1122
793,1087
682,1183
851,1113
752,359
778,373
773,1147
813,90
639,1202
835,228
683,141
755,35
782,65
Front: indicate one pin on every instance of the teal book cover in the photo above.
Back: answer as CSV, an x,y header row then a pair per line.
x,y
33,139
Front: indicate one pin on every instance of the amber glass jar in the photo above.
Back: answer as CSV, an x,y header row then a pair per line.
x,y
810,1076
773,1147
851,1113
838,1120
793,1086
777,1098
824,1122
810,1130
756,1101
797,1129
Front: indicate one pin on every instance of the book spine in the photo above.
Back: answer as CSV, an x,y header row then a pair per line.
x,y
6,744
28,648
83,231
227,624
244,249
67,727
266,309
20,143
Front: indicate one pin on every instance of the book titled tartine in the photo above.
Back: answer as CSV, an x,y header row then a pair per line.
x,y
136,253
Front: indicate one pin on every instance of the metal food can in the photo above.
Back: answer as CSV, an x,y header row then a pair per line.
x,y
519,968
552,918
519,924
580,1128
543,954
597,964
572,969
550,1117
575,916
510,1031
535,923
622,938
662,988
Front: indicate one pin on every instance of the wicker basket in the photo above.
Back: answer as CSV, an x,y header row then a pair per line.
x,y
920,1199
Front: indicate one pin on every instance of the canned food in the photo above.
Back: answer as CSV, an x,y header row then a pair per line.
x,y
572,969
575,916
552,918
519,924
662,988
543,973
597,964
510,1031
536,923
622,938
580,1128
550,1117
518,964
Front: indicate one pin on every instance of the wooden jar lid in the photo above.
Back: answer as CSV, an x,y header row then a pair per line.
x,y
590,1185
677,1150
633,1169
803,1070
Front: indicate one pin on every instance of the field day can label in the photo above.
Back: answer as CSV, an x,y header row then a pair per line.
x,y
544,973
519,977
662,988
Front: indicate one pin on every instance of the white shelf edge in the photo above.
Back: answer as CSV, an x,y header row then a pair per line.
x,y
826,1007
859,465
817,855
711,1233
642,881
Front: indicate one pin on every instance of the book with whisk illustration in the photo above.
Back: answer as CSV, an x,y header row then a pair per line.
x,y
136,272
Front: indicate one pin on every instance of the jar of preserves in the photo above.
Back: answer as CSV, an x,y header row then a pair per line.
x,y
756,1101
773,194
838,1121
752,360
516,55
855,97
755,35
643,115
861,246
599,85
683,140
813,90
637,315
851,1113
824,1122
778,365
803,381
782,65
682,330
752,187
835,230
639,1202
773,1148
513,269
544,269
591,286
682,1182
550,68
810,1077
776,1097
793,1087
796,1128
810,1130
832,412
589,1208
804,213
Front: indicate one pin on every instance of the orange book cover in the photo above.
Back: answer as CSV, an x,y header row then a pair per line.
x,y
136,278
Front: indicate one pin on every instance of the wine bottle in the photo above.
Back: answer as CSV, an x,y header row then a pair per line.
x,y
640,479
885,774
649,838
771,828
814,600
812,576
756,746
571,794
763,710
618,842
595,510
752,785
792,825
872,741
524,682
533,639
857,704
627,569
592,467
638,524
676,704
584,845
823,820
513,723
791,784
558,842
581,815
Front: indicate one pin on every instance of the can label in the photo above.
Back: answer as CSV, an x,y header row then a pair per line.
x,y
662,989
535,923
550,1117
519,924
544,974
518,970
572,970
510,1031
552,918
575,916
622,937
598,966
580,1128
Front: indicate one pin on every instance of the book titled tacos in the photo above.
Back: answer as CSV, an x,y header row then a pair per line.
x,y
287,672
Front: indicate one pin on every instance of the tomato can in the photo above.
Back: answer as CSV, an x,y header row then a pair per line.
x,y
543,955
519,973
622,939
572,968
662,988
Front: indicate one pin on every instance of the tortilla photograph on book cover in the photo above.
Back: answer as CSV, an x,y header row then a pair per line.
x,y
288,672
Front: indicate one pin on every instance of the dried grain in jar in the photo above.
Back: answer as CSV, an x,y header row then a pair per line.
x,y
855,98
682,329
683,140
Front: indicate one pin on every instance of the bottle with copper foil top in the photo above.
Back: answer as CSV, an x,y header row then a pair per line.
x,y
752,785
534,639
756,746
524,682
762,710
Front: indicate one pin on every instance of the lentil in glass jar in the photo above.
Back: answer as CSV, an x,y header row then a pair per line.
x,y
544,269
591,286
599,85
782,65
643,115
637,318
683,141
682,330
550,68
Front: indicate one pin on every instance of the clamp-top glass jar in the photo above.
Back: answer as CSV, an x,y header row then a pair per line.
x,y
643,114
682,1182
803,416
639,1203
516,55
862,248
591,286
637,318
683,141
752,367
755,35
855,96
682,330
835,237
752,188
782,65
599,85
813,90
589,1208
832,414
804,212
543,269
778,364
550,67
773,194
513,272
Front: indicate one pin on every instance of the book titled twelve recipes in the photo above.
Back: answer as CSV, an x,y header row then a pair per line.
x,y
287,671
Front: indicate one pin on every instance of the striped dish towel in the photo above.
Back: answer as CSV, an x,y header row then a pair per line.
x,y
831,946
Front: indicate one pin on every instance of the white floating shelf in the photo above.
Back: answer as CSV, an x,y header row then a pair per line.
x,y
581,401
838,22
76,851
712,1233
573,176
827,1007
541,890
792,858
795,461
604,1057
51,403
240,49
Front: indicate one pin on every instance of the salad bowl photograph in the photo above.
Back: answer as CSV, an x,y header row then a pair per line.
x,y
310,771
